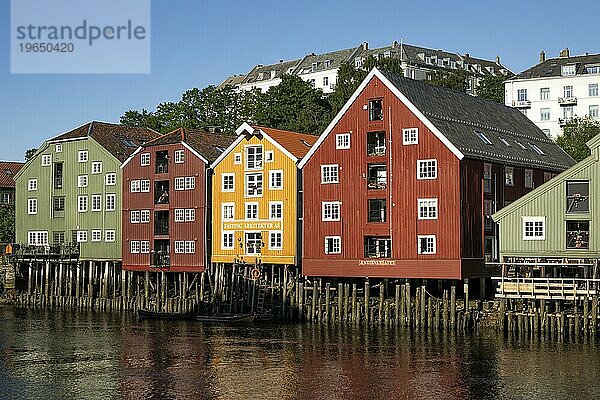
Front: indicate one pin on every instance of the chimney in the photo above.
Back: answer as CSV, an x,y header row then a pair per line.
x,y
498,60
564,53
280,61
542,56
394,44
365,46
466,55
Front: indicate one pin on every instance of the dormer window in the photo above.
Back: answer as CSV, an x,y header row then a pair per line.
x,y
592,69
260,76
327,64
568,70
314,67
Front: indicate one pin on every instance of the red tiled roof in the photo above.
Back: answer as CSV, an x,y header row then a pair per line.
x,y
296,143
117,139
8,170
208,145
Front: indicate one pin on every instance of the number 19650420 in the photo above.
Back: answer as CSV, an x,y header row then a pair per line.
x,y
46,47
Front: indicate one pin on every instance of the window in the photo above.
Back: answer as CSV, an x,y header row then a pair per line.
x,y
254,157
111,202
534,228
547,176
82,181
375,110
329,173
97,167
426,244
32,185
342,141
427,208
96,235
509,176
46,160
593,111
134,216
58,204
190,183
37,238
487,178
529,178
593,89
592,69
145,185
227,240
377,210
82,156
82,203
545,114
276,179
275,210
253,243
325,81
333,244
483,138
145,246
179,183
568,91
179,215
567,70
269,156
190,215
179,247
567,112
544,93
275,240
410,136
522,94
179,156
378,247
145,159
237,158
578,197
427,169
254,185
330,210
58,237
251,210
81,236
135,186
578,234
190,246
488,210
110,179
135,246
376,144
228,211
32,206
96,202
144,216
227,182
58,148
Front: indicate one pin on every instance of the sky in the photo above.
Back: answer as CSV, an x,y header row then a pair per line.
x,y
195,43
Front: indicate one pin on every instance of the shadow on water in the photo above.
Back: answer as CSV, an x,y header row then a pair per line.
x,y
62,355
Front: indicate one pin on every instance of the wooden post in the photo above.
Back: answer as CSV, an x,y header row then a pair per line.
x,y
466,290
340,301
327,299
381,301
430,312
367,300
453,306
29,276
91,280
397,306
354,304
315,297
445,316
300,299
285,290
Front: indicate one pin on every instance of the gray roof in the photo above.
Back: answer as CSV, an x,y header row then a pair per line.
x,y
553,66
459,116
281,68
233,81
335,59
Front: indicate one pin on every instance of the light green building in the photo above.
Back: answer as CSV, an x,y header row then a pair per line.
x,y
70,191
558,221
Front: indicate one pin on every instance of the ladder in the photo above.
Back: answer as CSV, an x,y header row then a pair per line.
x,y
262,294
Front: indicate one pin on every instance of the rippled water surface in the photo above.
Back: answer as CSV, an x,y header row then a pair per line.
x,y
64,355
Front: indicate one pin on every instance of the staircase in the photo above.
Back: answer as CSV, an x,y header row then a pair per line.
x,y
262,294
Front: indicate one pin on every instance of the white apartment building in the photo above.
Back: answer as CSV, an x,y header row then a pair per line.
x,y
554,91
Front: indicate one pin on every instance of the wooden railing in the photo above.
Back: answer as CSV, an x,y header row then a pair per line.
x,y
546,288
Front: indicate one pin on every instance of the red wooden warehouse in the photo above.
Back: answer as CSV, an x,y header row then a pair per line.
x,y
166,188
401,182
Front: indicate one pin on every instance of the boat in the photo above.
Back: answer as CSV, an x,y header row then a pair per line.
x,y
146,314
226,318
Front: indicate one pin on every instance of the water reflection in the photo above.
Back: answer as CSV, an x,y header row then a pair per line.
x,y
52,354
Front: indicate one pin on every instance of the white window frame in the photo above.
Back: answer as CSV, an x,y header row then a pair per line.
x,y
272,174
96,167
592,89
189,247
237,158
427,205
545,114
335,239
427,162
96,202
32,185
82,181
82,236
249,205
276,206
58,148
545,93
269,156
144,159
259,190
96,235
135,186
134,216
330,173
190,215
273,235
82,204
180,183
257,162
225,208
331,207
144,216
179,215
46,160
179,156
342,141
533,221
179,247
134,247
528,179
32,206
190,183
110,179
410,136
109,235
225,242
110,202
144,246
37,238
145,185
509,172
224,177
259,247
419,237
82,156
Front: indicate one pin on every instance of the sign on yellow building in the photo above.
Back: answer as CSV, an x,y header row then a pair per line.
x,y
255,197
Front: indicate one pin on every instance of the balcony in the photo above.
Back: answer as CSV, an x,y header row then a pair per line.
x,y
377,177
564,121
376,144
162,162
521,103
161,223
376,247
160,259
567,101
161,192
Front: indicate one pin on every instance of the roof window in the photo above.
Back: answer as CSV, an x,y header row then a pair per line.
x,y
505,142
536,148
483,138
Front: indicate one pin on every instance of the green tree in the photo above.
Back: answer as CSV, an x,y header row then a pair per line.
x,y
7,223
29,154
492,87
456,79
575,136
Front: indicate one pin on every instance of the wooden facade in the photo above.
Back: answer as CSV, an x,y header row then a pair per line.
x,y
255,197
380,146
166,191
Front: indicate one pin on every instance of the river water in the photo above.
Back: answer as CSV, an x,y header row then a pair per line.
x,y
47,354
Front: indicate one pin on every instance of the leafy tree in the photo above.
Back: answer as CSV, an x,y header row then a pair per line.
x,y
456,79
575,136
7,223
492,87
30,153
